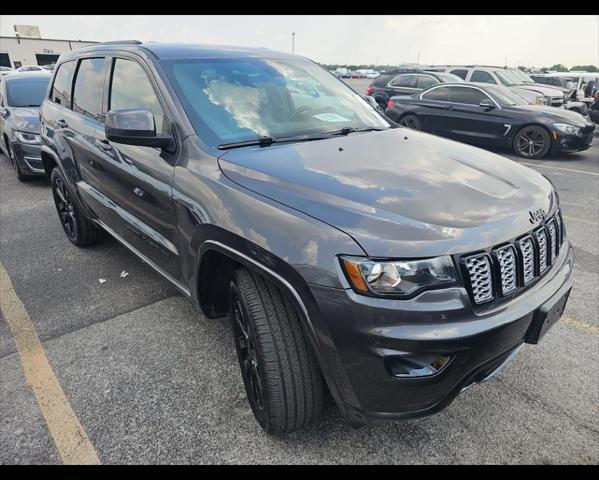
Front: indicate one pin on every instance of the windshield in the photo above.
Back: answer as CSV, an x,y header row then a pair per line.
x,y
449,78
26,93
237,100
507,78
505,97
522,76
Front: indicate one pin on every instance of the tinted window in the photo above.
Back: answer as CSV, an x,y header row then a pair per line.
x,y
87,94
61,90
26,92
405,81
440,94
131,88
482,77
460,73
471,96
426,81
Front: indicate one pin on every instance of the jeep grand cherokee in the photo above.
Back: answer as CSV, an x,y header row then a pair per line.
x,y
389,267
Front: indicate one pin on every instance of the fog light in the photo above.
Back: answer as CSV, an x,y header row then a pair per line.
x,y
416,365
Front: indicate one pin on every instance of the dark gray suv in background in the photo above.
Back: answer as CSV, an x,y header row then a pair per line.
x,y
389,267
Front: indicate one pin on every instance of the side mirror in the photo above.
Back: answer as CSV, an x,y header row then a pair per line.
x,y
4,112
134,126
487,103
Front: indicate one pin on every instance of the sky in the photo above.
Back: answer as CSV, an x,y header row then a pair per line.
x,y
361,39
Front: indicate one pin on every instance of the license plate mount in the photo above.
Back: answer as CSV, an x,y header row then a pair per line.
x,y
546,316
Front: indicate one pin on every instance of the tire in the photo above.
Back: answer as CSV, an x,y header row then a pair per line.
x,y
283,382
411,121
532,142
15,164
78,228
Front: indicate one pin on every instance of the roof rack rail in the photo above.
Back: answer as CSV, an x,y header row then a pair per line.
x,y
120,42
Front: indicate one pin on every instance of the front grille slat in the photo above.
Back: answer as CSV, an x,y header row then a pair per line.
x,y
552,240
506,258
516,265
479,270
527,251
541,235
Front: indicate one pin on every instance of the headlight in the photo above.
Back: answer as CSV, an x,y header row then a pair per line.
x,y
397,277
565,128
540,100
26,137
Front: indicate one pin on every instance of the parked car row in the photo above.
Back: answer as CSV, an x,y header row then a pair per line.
x,y
357,74
391,269
514,101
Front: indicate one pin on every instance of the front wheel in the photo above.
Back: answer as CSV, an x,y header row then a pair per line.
x,y
282,379
79,229
411,121
532,142
15,164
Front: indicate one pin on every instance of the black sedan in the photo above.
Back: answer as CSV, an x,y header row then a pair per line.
x,y
406,82
492,116
21,95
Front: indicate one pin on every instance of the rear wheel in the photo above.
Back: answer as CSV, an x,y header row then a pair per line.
x,y
282,379
532,142
411,121
79,229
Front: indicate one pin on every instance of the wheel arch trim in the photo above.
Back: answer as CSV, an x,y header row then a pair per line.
x,y
242,258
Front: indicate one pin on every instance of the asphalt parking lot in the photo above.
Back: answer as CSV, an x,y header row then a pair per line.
x,y
152,381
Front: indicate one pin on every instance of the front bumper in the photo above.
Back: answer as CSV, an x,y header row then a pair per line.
x,y
366,332
29,158
566,143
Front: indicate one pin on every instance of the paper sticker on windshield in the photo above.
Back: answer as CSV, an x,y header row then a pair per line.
x,y
331,117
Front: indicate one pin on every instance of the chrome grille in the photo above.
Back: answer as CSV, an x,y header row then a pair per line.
x,y
506,257
479,270
528,259
541,235
513,266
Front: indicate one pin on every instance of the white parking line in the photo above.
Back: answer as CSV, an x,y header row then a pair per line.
x,y
584,172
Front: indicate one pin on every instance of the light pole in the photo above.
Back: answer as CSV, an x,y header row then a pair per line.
x,y
292,43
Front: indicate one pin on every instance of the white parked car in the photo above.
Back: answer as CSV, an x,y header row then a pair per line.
x,y
30,68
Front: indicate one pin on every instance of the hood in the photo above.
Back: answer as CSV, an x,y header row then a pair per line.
x,y
553,114
26,119
397,192
545,90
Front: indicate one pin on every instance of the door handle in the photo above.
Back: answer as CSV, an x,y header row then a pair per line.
x,y
104,145
62,123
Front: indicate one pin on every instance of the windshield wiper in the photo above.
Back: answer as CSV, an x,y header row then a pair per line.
x,y
348,130
267,141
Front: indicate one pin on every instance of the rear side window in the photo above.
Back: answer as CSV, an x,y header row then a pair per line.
x,y
440,94
131,88
470,96
426,81
460,73
87,94
63,82
482,77
404,81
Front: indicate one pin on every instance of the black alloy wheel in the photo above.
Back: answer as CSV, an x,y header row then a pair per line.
x,y
532,142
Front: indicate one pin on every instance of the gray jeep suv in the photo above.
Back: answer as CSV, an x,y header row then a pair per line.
x,y
387,267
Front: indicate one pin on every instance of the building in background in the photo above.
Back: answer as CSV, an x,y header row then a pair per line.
x,y
28,48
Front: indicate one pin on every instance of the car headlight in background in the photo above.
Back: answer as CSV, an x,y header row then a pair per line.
x,y
541,101
26,137
565,128
397,277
